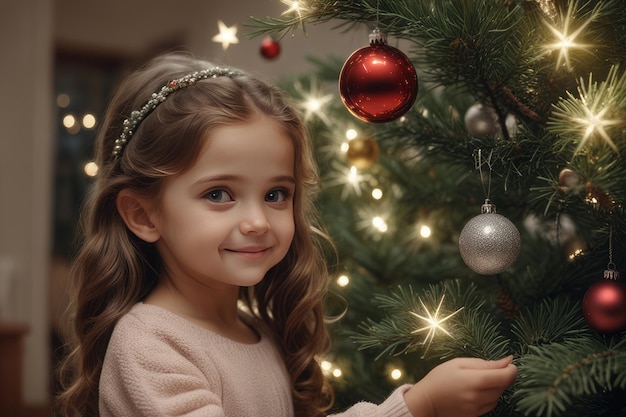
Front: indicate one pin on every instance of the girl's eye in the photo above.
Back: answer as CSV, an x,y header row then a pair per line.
x,y
218,196
277,196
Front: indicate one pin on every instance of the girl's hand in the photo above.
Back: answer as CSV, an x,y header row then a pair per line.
x,y
467,387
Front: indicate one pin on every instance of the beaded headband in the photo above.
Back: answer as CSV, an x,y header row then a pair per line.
x,y
137,116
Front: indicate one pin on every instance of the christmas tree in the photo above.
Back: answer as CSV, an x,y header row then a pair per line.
x,y
474,183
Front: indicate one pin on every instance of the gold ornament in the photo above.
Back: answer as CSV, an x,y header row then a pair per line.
x,y
362,152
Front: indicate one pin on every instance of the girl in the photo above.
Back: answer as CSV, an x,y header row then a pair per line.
x,y
200,284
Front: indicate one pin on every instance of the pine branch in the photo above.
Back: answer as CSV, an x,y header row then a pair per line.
x,y
555,376
552,321
405,328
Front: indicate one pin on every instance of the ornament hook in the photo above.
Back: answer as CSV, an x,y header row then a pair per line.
x,y
611,272
478,164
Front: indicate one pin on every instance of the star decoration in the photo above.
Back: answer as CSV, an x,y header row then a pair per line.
x,y
433,323
566,40
593,114
227,35
294,6
594,123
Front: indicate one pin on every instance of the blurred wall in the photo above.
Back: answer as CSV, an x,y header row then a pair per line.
x,y
25,192
134,28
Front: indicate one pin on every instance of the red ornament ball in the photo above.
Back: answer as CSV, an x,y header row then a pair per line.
x,y
270,49
378,83
604,306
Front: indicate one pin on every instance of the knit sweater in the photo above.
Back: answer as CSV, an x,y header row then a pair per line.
x,y
160,364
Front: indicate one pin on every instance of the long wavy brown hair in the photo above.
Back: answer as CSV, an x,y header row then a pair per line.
x,y
113,269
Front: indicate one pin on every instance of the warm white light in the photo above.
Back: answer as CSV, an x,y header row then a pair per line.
x,y
563,45
566,40
343,280
379,223
69,121
71,124
351,134
314,100
396,374
89,121
226,35
337,372
425,231
433,323
354,176
294,6
344,147
577,252
326,366
595,123
313,104
377,193
346,177
91,169
593,114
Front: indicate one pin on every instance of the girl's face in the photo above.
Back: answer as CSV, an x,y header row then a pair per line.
x,y
229,218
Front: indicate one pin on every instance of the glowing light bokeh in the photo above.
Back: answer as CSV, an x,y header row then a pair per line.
x,y
89,121
343,280
91,169
396,374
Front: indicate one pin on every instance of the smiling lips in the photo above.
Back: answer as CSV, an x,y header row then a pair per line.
x,y
250,252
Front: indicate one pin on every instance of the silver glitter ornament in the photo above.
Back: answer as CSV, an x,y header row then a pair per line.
x,y
482,120
489,243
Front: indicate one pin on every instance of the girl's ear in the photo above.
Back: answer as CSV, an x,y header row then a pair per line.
x,y
135,211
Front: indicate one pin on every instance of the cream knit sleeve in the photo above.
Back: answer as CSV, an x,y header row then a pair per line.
x,y
393,406
144,375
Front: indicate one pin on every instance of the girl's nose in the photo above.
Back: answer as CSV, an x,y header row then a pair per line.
x,y
254,221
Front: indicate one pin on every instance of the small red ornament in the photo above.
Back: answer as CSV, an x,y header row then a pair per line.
x,y
270,49
378,83
604,304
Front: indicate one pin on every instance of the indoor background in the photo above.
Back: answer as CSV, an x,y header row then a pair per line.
x,y
60,60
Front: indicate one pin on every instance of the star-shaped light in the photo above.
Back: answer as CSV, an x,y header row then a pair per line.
x,y
313,101
591,114
565,41
227,35
595,124
347,177
433,323
294,6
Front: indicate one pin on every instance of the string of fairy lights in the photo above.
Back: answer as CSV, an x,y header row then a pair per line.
x,y
590,120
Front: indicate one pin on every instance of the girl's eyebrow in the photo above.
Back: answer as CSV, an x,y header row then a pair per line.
x,y
284,178
218,178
